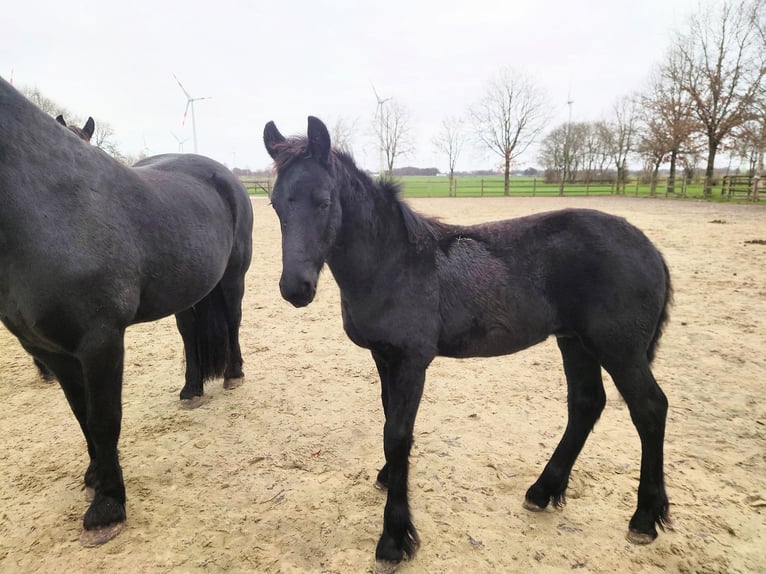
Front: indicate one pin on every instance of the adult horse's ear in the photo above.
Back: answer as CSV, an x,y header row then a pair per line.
x,y
319,139
89,128
60,119
272,138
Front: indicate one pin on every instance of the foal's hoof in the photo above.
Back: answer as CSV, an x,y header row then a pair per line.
x,y
90,493
640,537
385,566
100,535
233,383
193,403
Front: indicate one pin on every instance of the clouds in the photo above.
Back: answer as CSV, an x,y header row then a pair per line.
x,y
285,61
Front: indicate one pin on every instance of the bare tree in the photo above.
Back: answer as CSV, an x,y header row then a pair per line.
x,y
725,65
450,141
342,134
43,102
392,129
669,121
574,152
509,117
619,135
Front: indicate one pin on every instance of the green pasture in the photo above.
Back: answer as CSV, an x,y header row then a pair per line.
x,y
492,186
470,186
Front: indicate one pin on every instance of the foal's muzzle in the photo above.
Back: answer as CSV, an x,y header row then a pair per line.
x,y
298,289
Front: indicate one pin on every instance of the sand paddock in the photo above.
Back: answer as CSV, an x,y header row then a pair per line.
x,y
277,475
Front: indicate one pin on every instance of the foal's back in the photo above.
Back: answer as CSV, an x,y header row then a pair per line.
x,y
507,285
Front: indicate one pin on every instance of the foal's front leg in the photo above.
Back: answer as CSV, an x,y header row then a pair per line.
x,y
406,377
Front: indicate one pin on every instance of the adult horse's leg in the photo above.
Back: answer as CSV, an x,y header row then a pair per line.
x,y
69,374
648,408
186,323
383,372
233,290
399,539
585,400
102,357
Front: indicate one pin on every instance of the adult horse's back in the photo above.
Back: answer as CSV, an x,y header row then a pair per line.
x,y
89,247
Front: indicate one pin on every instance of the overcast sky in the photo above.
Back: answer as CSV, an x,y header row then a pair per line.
x,y
282,61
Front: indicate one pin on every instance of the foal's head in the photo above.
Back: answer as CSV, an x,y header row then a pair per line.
x,y
84,133
306,200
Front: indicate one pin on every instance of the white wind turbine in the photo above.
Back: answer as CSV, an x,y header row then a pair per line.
x,y
180,142
190,103
379,116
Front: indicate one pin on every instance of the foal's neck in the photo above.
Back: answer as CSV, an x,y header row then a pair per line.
x,y
373,235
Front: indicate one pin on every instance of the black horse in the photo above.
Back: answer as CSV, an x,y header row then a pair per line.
x,y
89,246
85,133
413,288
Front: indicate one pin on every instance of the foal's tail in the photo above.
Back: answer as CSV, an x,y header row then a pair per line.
x,y
212,331
664,315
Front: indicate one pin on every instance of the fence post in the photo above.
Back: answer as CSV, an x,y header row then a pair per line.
x,y
587,187
638,179
482,187
534,186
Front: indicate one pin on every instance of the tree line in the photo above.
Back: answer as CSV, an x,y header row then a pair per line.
x,y
706,96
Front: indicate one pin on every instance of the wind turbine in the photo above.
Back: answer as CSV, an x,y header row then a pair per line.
x,y
190,103
379,115
180,142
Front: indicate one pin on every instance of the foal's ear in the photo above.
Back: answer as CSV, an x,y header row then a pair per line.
x,y
319,139
272,138
60,119
89,128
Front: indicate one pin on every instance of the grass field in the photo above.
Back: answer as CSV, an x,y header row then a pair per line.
x,y
492,186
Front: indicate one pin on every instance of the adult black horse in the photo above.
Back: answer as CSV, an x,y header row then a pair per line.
x,y
412,288
89,246
85,133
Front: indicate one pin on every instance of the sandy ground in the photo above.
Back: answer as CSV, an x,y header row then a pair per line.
x,y
277,475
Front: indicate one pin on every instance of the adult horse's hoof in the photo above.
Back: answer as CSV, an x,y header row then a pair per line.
x,y
100,535
531,506
385,566
90,493
193,403
233,383
640,537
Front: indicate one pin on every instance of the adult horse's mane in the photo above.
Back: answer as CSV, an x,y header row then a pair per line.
x,y
356,185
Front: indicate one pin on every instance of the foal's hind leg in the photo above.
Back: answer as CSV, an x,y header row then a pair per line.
x,y
585,400
648,409
187,327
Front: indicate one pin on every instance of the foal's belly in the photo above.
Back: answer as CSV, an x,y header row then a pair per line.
x,y
488,341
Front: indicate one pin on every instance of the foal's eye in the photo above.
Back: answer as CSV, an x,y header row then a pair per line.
x,y
324,204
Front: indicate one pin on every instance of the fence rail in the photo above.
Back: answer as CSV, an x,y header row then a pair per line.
x,y
528,186
474,186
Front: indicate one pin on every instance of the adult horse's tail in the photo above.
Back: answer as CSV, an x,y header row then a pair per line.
x,y
213,346
664,315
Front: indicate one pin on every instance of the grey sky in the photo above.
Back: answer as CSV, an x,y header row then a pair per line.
x,y
283,61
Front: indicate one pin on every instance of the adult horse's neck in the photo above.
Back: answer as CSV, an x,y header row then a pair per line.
x,y
38,157
378,231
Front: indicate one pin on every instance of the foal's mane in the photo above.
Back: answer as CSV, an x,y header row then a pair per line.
x,y
423,232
